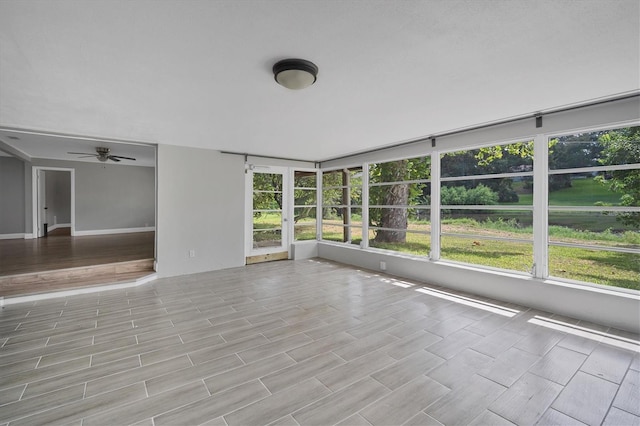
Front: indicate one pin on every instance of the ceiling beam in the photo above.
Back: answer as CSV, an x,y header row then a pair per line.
x,y
5,147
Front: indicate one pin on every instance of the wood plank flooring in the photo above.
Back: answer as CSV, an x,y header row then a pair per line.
x,y
62,262
21,256
307,343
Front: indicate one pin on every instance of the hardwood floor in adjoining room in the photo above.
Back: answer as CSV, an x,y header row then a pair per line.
x,y
61,251
307,342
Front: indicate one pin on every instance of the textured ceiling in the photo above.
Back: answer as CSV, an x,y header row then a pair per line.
x,y
198,73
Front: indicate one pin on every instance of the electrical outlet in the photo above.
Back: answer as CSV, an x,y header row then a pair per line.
x,y
383,265
192,253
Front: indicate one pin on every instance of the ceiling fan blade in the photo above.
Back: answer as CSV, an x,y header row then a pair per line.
x,y
123,158
83,153
112,158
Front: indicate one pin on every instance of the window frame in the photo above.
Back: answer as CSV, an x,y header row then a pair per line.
x,y
294,206
426,207
347,226
539,206
548,243
483,207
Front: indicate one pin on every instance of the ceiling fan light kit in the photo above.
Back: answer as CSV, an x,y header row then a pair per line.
x,y
295,74
102,154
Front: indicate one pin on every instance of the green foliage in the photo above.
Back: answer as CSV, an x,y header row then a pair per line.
x,y
572,151
510,154
511,158
622,147
459,195
267,192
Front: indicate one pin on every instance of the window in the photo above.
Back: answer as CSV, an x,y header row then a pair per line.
x,y
267,210
586,209
486,202
399,205
305,203
342,205
594,207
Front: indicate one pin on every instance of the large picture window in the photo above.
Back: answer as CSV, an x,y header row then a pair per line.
x,y
573,215
594,207
486,206
399,205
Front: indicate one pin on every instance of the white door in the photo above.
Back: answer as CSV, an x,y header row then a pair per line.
x,y
267,221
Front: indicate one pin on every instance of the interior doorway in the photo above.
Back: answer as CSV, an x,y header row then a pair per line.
x,y
53,205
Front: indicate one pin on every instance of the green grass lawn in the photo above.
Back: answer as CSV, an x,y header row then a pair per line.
x,y
583,192
602,267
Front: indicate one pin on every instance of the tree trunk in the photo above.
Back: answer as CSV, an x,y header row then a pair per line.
x,y
395,196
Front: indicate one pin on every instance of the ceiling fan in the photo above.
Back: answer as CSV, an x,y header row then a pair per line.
x,y
103,155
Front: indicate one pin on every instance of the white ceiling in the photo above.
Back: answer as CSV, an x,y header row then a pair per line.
x,y
57,147
198,72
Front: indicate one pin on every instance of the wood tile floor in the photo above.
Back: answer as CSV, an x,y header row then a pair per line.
x,y
310,343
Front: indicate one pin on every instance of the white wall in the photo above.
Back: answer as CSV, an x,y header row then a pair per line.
x,y
12,193
599,305
110,196
200,208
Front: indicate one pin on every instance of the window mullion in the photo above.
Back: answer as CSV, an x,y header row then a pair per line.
x,y
365,206
319,207
435,206
540,206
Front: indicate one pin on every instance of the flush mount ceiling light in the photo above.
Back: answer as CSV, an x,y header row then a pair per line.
x,y
295,74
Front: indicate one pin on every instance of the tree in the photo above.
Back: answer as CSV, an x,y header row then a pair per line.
x,y
267,193
622,147
398,194
572,151
514,157
304,194
395,195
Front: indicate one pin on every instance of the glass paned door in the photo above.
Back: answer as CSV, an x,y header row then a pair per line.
x,y
268,214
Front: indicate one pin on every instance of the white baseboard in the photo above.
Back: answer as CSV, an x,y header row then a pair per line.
x,y
29,236
12,236
114,231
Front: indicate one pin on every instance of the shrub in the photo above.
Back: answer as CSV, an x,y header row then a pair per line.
x,y
459,195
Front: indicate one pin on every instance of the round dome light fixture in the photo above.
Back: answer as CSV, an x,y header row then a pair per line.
x,y
295,74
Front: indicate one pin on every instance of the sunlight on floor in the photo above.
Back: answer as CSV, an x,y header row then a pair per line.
x,y
485,306
398,283
576,330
